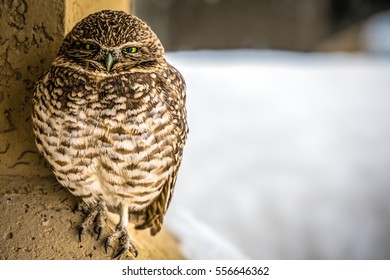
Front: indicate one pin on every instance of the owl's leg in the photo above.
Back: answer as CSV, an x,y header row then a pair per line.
x,y
95,214
122,234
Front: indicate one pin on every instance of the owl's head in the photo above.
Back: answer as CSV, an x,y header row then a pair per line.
x,y
111,41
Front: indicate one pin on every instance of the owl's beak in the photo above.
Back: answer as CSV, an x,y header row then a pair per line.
x,y
109,62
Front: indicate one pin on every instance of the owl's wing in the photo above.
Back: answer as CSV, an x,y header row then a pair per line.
x,y
175,98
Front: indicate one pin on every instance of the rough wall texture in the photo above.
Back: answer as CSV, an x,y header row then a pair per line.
x,y
31,32
37,222
36,218
30,36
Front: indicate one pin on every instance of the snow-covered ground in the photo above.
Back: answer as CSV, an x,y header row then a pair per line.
x,y
288,156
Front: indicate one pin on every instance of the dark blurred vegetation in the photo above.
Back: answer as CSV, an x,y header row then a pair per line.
x,y
301,25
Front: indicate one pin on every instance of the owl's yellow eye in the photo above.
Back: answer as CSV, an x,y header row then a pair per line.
x,y
130,50
89,46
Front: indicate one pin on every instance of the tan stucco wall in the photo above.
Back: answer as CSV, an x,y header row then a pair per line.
x,y
36,218
37,223
31,32
75,10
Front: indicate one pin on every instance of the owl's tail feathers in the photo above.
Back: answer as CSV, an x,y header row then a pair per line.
x,y
154,213
154,220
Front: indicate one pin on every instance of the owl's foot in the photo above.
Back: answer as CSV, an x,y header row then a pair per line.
x,y
122,235
95,214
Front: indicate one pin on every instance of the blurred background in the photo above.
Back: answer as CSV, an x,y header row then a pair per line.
x,y
303,25
288,106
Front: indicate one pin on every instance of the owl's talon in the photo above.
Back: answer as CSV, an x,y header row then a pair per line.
x,y
134,251
81,229
120,253
99,233
95,214
122,235
106,244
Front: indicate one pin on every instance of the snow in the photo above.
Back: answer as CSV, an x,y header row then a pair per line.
x,y
287,158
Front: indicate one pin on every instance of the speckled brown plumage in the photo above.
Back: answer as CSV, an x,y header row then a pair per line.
x,y
109,116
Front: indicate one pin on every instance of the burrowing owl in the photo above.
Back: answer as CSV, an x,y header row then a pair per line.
x,y
110,118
